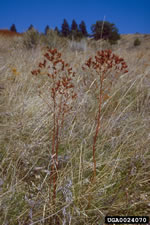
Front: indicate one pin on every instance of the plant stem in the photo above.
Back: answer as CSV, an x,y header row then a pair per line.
x,y
97,126
53,176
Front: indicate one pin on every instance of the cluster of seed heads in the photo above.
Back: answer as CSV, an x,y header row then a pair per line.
x,y
59,72
105,60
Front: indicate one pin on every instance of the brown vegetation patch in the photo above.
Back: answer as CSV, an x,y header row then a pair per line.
x,y
9,33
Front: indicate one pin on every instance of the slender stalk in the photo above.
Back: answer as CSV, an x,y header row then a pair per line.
x,y
57,130
97,126
53,151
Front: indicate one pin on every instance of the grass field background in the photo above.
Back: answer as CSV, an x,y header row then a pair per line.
x,y
122,185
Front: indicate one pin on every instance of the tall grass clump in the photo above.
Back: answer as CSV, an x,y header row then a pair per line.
x,y
78,45
137,42
53,40
31,39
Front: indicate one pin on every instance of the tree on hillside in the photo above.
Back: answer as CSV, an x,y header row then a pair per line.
x,y
82,29
47,29
57,30
31,27
74,30
65,30
74,26
105,30
13,28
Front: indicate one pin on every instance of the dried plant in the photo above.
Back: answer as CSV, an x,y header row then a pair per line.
x,y
62,94
107,66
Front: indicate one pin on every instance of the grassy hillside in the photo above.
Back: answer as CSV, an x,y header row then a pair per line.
x,y
122,183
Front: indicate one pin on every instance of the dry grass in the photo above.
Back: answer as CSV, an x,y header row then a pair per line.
x,y
7,40
122,185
